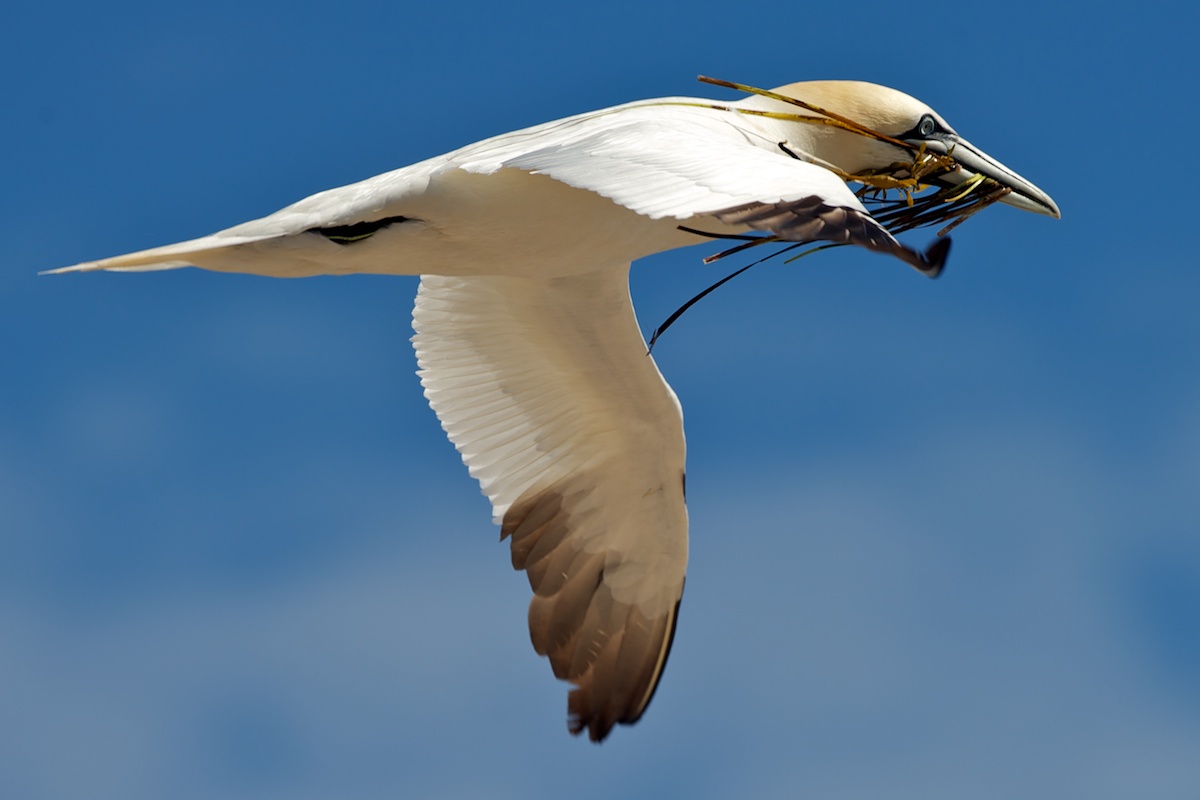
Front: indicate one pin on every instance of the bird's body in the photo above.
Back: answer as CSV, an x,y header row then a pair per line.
x,y
526,338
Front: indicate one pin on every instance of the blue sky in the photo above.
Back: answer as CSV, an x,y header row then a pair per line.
x,y
945,536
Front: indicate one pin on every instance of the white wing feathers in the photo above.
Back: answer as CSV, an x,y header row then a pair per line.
x,y
676,161
546,389
662,160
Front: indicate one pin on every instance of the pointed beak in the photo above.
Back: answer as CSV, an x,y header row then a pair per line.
x,y
971,160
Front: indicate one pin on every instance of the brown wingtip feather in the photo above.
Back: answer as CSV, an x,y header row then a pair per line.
x,y
612,651
935,256
809,219
633,659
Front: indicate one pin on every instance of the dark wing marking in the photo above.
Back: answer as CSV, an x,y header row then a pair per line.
x,y
355,232
810,219
612,651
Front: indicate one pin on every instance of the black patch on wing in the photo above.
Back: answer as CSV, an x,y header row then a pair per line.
x,y
809,219
356,232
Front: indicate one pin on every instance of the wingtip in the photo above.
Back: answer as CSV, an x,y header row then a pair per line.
x,y
935,257
120,264
87,266
581,716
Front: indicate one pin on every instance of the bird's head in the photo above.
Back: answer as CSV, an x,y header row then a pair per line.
x,y
863,129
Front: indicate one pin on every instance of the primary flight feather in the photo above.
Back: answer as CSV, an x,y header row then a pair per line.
x,y
528,347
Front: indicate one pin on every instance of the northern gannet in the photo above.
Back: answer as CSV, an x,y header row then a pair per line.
x,y
526,340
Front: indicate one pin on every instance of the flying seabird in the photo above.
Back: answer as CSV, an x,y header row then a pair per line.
x,y
528,348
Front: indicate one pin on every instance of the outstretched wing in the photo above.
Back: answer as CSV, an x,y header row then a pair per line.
x,y
673,159
547,391
670,159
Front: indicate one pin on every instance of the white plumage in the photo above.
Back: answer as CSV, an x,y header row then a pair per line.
x,y
526,338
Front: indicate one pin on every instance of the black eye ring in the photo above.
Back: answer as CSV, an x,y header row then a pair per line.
x,y
926,126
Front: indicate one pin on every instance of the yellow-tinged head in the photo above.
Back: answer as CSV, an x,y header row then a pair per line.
x,y
902,125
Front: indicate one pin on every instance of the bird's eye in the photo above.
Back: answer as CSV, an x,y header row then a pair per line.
x,y
926,126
